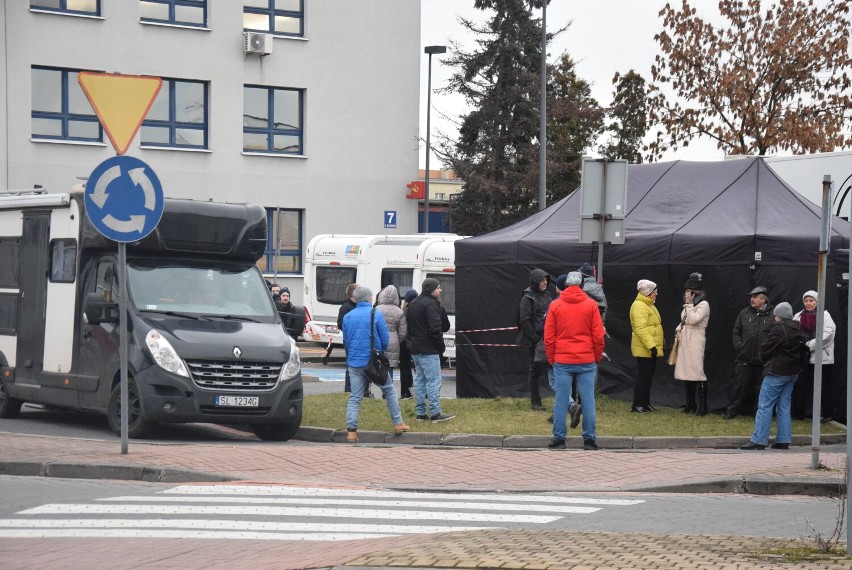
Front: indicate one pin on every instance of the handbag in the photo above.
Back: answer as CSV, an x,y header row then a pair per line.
x,y
672,360
378,365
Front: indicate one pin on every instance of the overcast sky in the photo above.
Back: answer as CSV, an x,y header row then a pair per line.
x,y
606,36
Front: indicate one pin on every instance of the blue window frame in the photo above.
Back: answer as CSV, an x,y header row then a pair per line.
x,y
60,110
279,17
178,116
87,7
283,242
178,12
273,120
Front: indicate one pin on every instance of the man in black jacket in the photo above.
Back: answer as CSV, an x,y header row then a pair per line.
x,y
750,330
426,344
783,354
534,303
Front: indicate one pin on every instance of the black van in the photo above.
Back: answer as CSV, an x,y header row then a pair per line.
x,y
205,343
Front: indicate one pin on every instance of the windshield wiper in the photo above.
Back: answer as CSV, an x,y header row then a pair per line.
x,y
175,314
232,318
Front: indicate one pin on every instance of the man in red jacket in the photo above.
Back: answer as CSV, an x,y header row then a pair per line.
x,y
574,343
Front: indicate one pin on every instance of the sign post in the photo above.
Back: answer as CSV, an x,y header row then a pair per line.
x,y
603,204
124,198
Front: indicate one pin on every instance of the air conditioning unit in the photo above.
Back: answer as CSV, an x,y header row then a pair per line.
x,y
257,42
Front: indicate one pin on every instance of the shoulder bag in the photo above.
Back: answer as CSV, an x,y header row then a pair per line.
x,y
378,365
672,360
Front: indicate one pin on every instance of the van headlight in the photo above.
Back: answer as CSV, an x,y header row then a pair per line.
x,y
164,355
294,365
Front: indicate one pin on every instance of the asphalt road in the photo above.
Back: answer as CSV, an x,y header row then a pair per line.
x,y
38,507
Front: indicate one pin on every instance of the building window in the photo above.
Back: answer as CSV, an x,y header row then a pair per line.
x,y
272,120
178,116
178,12
279,17
283,242
60,109
88,7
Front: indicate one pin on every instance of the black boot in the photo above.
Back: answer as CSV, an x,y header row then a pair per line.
x,y
702,398
689,388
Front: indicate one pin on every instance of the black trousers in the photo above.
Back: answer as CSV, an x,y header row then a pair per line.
x,y
406,378
747,380
537,374
803,394
642,388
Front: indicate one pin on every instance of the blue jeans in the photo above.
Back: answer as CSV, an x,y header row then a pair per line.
x,y
775,393
552,383
563,378
360,382
427,383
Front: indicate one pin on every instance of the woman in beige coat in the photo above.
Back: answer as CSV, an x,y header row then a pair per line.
x,y
689,366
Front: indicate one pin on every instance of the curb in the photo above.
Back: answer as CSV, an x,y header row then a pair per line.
x,y
329,435
146,473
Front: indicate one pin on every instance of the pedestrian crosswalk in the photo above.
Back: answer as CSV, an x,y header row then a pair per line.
x,y
276,512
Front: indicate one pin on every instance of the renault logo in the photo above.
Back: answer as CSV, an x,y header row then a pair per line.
x,y
237,352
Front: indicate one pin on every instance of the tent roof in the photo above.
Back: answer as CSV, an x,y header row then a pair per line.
x,y
677,213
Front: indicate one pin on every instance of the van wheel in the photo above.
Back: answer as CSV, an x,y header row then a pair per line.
x,y
9,407
276,432
137,426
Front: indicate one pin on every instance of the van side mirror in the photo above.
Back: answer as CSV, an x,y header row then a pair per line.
x,y
98,311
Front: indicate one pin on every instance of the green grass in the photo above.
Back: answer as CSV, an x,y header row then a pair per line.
x,y
513,416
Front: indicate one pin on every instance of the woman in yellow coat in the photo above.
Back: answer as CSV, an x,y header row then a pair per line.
x,y
646,343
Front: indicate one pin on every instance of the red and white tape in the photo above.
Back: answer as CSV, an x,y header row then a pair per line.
x,y
490,330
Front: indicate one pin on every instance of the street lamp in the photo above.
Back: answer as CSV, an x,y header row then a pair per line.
x,y
430,50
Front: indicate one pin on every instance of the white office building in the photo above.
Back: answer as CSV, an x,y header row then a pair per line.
x,y
313,114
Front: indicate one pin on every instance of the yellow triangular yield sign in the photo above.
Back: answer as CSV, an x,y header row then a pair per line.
x,y
120,102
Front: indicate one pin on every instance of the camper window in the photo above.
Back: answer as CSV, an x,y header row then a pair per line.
x,y
63,260
448,291
9,253
332,282
8,313
400,278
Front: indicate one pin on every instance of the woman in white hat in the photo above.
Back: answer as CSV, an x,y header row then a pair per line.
x,y
803,391
646,343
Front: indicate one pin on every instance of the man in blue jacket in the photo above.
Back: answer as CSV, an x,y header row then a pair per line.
x,y
357,327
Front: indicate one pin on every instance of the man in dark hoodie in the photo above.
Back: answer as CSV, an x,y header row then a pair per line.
x,y
534,303
426,343
750,330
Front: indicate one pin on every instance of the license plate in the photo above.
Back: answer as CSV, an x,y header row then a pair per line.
x,y
238,401
331,329
450,342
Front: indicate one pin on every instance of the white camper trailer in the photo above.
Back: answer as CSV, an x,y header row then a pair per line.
x,y
436,258
334,261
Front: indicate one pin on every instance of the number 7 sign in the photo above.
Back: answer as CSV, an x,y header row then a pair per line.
x,y
390,218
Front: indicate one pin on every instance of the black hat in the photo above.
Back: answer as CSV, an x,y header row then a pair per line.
x,y
429,285
694,282
759,290
410,295
587,270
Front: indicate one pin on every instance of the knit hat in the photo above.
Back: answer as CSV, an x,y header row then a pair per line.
x,y
574,278
783,310
646,287
560,281
587,270
362,294
284,290
812,294
429,285
694,282
410,295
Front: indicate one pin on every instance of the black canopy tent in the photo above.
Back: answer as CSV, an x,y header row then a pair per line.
x,y
734,221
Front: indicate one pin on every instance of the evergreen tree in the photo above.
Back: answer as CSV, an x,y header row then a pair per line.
x,y
628,118
497,152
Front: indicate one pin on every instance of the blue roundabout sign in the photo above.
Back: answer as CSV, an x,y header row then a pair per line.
x,y
124,199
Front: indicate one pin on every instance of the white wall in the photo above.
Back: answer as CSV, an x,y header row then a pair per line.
x,y
359,62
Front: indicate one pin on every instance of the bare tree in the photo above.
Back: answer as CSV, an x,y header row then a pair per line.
x,y
768,80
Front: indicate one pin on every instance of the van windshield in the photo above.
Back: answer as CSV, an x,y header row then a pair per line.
x,y
237,292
